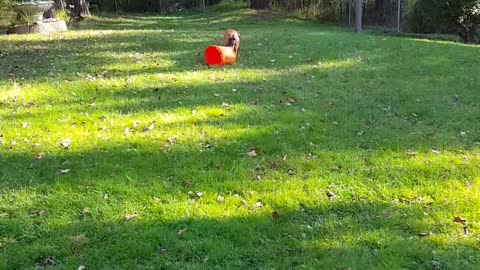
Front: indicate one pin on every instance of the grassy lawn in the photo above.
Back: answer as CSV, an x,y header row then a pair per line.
x,y
365,148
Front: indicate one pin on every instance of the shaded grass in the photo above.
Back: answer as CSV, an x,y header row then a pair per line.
x,y
327,110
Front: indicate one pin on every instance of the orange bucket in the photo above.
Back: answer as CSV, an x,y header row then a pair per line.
x,y
219,56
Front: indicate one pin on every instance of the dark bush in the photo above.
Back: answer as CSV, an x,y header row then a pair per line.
x,y
447,16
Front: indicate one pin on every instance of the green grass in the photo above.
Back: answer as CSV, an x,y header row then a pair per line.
x,y
344,109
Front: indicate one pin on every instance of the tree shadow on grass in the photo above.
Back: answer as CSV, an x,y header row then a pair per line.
x,y
339,234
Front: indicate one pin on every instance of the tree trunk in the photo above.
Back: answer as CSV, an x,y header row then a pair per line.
x,y
80,9
358,16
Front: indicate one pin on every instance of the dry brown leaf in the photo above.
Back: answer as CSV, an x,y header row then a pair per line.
x,y
186,183
130,217
411,153
275,215
331,195
151,127
424,234
65,143
64,171
256,206
252,152
459,220
182,231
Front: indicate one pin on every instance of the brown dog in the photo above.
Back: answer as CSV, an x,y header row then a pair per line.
x,y
231,38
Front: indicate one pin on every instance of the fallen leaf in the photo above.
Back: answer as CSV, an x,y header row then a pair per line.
x,y
130,217
48,262
199,194
104,118
336,168
244,203
275,215
81,267
225,105
172,141
459,220
163,251
331,195
64,171
252,152
220,199
216,95
181,231
463,133
150,127
256,206
411,153
186,183
65,143
273,165
291,100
